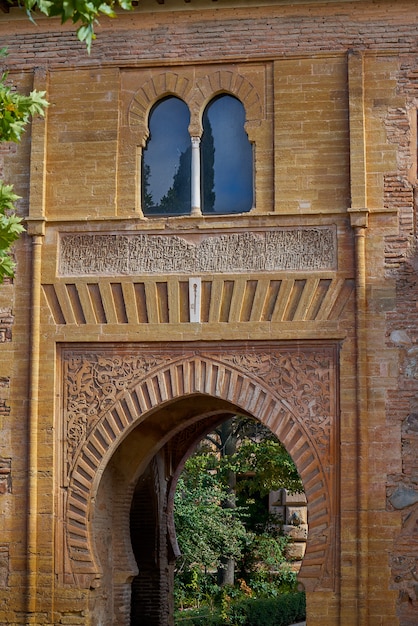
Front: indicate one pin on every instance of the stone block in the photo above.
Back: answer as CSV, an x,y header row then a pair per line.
x,y
293,498
296,515
297,533
278,511
295,551
276,498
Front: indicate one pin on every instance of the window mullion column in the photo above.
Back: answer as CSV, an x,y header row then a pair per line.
x,y
195,173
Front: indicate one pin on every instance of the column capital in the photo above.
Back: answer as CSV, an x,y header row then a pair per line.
x,y
359,217
35,226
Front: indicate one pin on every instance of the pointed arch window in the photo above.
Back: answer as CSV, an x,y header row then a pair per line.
x,y
212,174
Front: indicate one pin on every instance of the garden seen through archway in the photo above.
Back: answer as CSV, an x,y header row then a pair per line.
x,y
241,523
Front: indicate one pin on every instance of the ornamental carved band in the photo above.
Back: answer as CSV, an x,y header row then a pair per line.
x,y
279,249
290,388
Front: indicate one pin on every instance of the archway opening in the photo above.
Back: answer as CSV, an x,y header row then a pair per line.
x,y
153,531
155,423
241,524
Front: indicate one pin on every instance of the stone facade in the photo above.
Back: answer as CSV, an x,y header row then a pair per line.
x,y
125,339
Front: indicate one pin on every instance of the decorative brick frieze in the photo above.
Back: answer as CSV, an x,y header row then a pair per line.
x,y
312,297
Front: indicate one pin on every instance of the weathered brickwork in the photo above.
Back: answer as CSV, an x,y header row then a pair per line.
x,y
402,407
271,32
110,372
400,192
5,476
6,324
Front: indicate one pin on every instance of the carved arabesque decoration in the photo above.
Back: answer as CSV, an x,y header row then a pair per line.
x,y
308,248
303,382
93,383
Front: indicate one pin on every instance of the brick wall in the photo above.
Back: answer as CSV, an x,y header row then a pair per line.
x,y
259,31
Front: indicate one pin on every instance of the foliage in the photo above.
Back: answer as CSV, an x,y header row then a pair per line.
x,y
264,561
208,170
259,460
82,12
284,610
210,533
10,229
147,201
15,112
266,466
281,611
206,531
177,200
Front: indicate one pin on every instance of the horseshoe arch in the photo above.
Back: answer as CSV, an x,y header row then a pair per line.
x,y
291,388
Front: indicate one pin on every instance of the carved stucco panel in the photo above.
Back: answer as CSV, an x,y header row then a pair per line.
x,y
93,382
306,249
303,382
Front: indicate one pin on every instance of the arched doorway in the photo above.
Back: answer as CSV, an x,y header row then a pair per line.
x,y
151,411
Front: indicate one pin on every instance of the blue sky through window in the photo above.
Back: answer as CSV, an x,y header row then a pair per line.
x,y
169,139
226,156
233,163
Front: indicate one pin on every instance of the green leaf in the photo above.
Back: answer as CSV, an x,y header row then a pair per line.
x,y
7,266
7,197
15,112
86,34
44,6
106,9
10,229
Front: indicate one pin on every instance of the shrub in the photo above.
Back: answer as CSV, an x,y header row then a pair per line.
x,y
284,610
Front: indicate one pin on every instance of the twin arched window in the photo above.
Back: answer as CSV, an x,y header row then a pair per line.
x,y
210,175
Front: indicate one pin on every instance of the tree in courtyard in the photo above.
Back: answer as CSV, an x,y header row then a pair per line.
x,y
208,169
252,462
147,201
15,112
207,532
